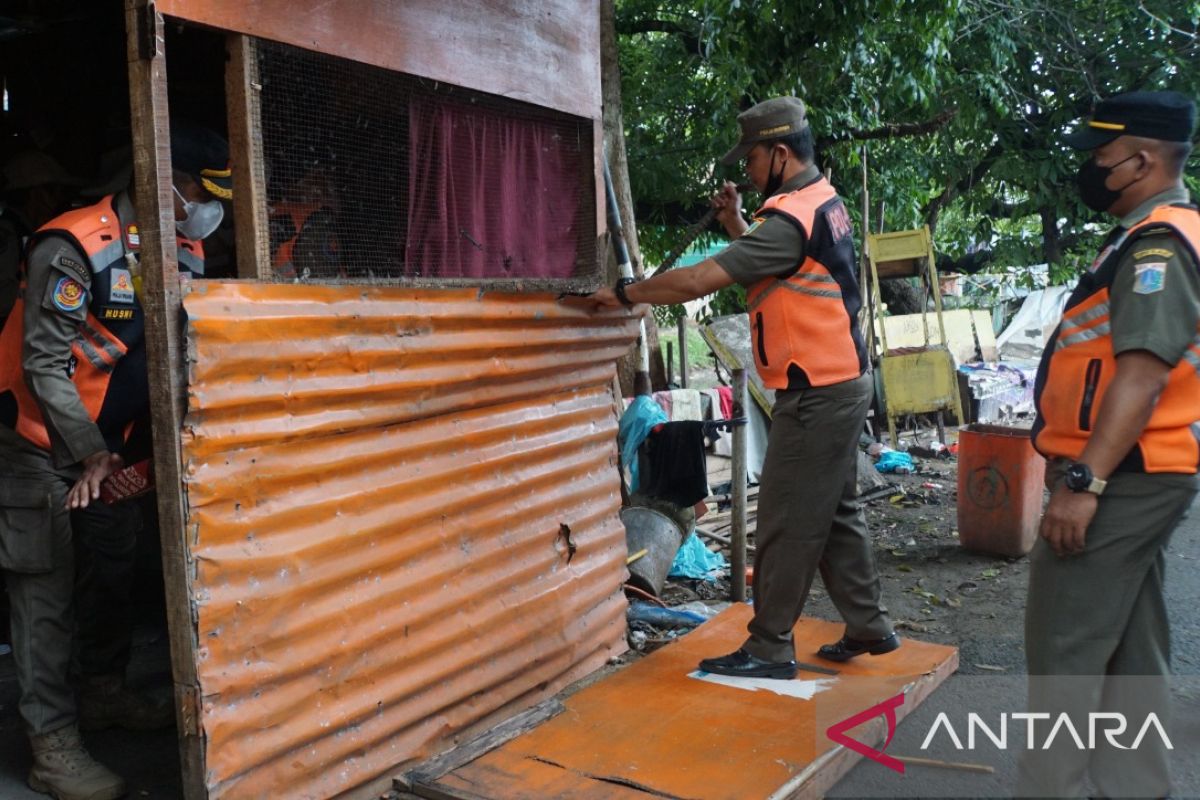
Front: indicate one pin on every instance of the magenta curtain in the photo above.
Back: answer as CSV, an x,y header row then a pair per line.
x,y
491,195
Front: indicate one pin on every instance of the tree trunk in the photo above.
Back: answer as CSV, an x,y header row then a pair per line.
x,y
1052,249
614,147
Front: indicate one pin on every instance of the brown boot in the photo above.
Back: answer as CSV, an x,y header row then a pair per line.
x,y
105,702
65,771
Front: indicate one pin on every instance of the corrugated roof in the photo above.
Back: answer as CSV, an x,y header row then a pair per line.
x,y
376,481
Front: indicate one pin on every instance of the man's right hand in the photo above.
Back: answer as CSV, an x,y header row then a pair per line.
x,y
728,203
96,468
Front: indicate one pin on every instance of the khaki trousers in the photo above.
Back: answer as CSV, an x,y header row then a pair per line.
x,y
809,519
1097,639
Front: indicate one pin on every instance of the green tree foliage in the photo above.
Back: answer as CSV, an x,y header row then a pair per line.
x,y
958,104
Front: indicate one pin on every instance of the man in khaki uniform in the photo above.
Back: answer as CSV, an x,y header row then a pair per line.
x,y
1118,398
73,383
798,265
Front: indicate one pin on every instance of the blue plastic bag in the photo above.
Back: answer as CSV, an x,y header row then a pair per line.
x,y
694,560
895,461
663,617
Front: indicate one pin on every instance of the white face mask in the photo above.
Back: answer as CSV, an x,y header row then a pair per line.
x,y
201,219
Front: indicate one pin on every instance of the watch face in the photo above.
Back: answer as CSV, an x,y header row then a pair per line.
x,y
1078,477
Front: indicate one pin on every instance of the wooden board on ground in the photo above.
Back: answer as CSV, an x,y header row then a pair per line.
x,y
661,728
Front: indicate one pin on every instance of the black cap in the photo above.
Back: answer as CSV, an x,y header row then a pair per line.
x,y
1167,116
203,154
770,119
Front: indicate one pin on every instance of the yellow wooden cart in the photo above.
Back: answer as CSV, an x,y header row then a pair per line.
x,y
914,380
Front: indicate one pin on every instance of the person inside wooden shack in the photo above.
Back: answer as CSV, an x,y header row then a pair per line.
x,y
73,386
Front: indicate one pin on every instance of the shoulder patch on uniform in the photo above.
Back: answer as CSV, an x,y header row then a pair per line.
x,y
71,266
754,223
1151,252
1149,277
69,295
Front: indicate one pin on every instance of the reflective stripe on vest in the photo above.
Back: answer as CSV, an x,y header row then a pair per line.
x,y
805,326
99,348
1079,365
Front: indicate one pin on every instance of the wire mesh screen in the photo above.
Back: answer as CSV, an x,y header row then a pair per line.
x,y
372,174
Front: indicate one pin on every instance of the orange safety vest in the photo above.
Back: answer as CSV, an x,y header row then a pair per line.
x,y
108,357
298,228
805,325
1078,365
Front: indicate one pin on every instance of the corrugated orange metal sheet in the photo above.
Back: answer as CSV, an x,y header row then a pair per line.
x,y
376,480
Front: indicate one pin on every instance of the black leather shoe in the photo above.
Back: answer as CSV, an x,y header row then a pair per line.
x,y
741,664
846,648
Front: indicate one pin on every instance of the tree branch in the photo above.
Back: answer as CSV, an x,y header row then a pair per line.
x,y
891,130
687,35
935,206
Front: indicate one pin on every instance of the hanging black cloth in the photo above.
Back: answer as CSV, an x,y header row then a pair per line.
x,y
674,467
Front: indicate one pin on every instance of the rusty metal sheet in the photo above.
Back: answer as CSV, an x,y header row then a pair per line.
x,y
377,480
545,52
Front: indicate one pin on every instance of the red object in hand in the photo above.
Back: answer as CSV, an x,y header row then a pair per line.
x,y
133,481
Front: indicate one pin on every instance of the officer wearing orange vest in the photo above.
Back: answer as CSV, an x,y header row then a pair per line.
x,y
73,385
797,263
1118,399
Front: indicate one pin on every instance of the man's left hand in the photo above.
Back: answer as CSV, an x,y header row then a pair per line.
x,y
597,300
604,298
96,468
1065,522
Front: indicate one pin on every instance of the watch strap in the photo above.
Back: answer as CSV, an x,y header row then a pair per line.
x,y
619,290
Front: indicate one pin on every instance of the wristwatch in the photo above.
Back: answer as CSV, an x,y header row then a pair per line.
x,y
619,290
1079,478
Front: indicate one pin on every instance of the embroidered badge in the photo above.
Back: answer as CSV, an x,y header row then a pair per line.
x,y
1153,251
1149,277
121,288
69,295
757,221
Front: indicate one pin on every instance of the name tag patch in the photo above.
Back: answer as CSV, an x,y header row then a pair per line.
x,y
1149,277
1153,251
69,295
110,313
121,288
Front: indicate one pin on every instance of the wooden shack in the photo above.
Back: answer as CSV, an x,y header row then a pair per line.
x,y
387,481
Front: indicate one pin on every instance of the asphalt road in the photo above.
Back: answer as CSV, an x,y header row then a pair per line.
x,y
991,696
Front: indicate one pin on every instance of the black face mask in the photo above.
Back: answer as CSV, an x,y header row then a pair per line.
x,y
773,181
1092,179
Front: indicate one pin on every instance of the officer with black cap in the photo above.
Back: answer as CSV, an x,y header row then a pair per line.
x,y
1118,400
73,385
796,260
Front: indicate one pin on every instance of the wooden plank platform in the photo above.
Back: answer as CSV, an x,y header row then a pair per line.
x,y
661,729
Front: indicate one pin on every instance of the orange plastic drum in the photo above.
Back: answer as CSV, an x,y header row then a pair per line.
x,y
999,489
